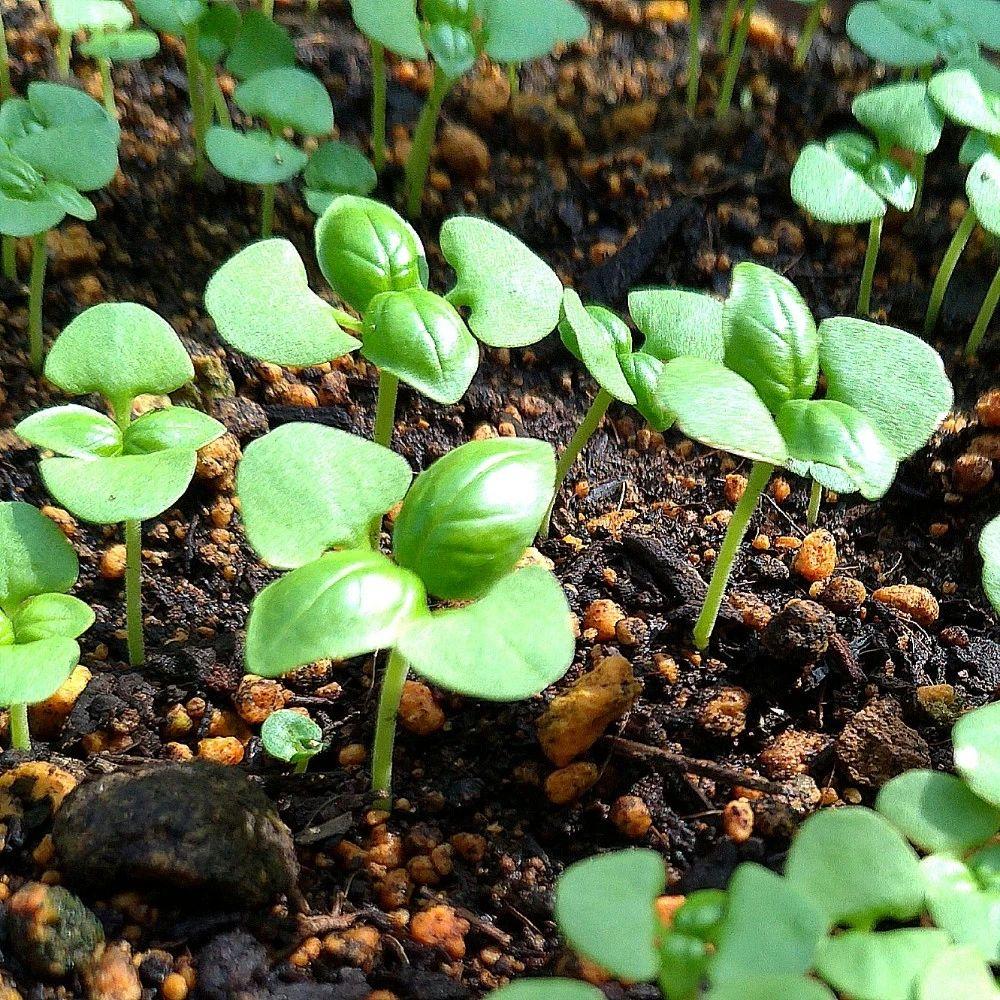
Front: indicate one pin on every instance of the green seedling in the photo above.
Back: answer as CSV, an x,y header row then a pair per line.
x,y
334,169
286,99
733,46
375,263
453,34
291,737
309,494
694,54
119,471
759,401
39,621
54,144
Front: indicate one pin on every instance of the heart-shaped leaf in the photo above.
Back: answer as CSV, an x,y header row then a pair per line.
x,y
468,518
173,17
895,379
29,218
902,114
74,431
550,989
487,649
989,549
605,906
420,338
337,168
392,23
121,46
254,157
289,736
287,97
174,427
262,305
957,972
968,92
831,189
676,323
218,30
305,488
262,44
596,337
721,409
886,34
50,616
94,15
983,188
959,904
340,605
520,30
35,557
977,751
514,297
35,671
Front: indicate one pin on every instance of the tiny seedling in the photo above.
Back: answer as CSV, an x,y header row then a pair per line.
x,y
733,46
309,494
454,34
336,168
39,621
54,144
286,99
292,737
119,471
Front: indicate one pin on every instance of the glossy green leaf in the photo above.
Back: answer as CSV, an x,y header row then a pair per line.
x,y
94,15
676,323
124,488
513,642
521,30
121,46
983,188
337,168
254,157
262,305
174,427
832,190
883,32
287,97
28,218
977,751
549,989
72,430
261,45
306,488
883,965
771,928
937,812
960,905
468,518
902,114
170,16
340,605
597,340
121,350
452,48
895,379
721,409
644,374
33,672
49,616
855,867
989,549
514,298
968,92
35,556
421,339
837,446
290,736
770,988
605,906
683,966
958,971
365,248
392,23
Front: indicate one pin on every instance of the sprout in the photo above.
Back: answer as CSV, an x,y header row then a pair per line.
x,y
813,18
54,145
119,471
292,737
308,495
694,54
286,98
732,47
39,621
336,168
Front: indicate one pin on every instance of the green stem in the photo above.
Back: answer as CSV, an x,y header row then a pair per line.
x,y
385,421
192,65
726,28
919,171
10,257
815,499
694,54
808,31
346,320
379,99
948,264
267,6
301,766
734,59
107,87
6,88
64,48
267,211
513,80
760,473
868,274
312,6
591,421
385,727
36,294
423,140
133,593
984,317
20,735
218,98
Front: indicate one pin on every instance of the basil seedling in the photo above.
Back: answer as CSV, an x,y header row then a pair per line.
x,y
119,471
39,621
309,494
286,98
292,737
55,144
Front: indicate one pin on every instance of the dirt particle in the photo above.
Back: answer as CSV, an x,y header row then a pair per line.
x,y
876,745
631,816
737,820
463,152
51,930
917,602
988,408
471,847
816,559
733,486
799,633
724,714
843,595
112,562
64,521
217,462
72,248
174,987
47,717
568,783
792,752
353,755
112,976
419,712
667,12
602,616
441,927
356,946
756,614
256,698
972,473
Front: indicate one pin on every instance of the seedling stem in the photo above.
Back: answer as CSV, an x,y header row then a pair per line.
x,y
583,434
985,315
10,257
760,474
378,106
63,49
107,87
734,59
6,88
267,6
423,139
192,65
20,738
512,77
385,420
36,291
948,264
726,29
133,593
868,274
218,98
815,499
694,55
312,6
385,728
808,31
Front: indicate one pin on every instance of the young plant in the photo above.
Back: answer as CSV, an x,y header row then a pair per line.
x,y
453,34
375,263
759,401
694,54
285,98
54,144
733,46
309,494
291,737
119,471
334,169
989,550
39,621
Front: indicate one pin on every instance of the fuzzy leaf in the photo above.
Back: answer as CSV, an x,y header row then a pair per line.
x,y
121,46
989,549
254,157
977,751
261,45
884,34
35,556
28,218
72,430
50,616
287,97
983,188
831,190
957,972
520,30
35,671
173,427
958,904
981,19
903,114
676,323
170,16
597,344
392,23
968,92
770,988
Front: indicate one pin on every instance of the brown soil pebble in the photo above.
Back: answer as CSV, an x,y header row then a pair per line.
x,y
51,931
177,827
568,783
800,632
843,595
917,602
47,717
988,408
419,712
441,927
793,752
631,816
32,787
602,617
876,745
816,558
112,976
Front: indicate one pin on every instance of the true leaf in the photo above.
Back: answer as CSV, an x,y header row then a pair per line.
x,y
262,44
487,649
337,168
392,23
287,97
977,751
72,430
340,605
676,323
35,557
957,972
306,488
50,616
254,157
520,30
173,427
644,374
989,549
902,114
33,672
961,906
597,345
514,297
452,48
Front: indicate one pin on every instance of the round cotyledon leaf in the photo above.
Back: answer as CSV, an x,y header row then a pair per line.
x,y
263,306
770,988
35,556
121,46
902,114
958,903
172,17
548,989
337,168
958,971
35,671
93,15
983,188
892,33
832,190
968,92
288,97
262,44
520,30
977,751
254,157
392,23
597,336
72,430
677,323
49,616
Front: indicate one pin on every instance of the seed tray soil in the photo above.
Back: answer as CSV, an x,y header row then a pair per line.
x,y
596,167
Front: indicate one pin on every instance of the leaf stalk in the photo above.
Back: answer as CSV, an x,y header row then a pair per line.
x,y
423,141
385,727
948,264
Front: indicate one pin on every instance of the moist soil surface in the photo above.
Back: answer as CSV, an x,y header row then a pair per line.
x,y
595,165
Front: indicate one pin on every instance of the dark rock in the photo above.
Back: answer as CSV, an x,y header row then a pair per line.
x,y
419,985
799,633
175,828
231,964
347,984
119,705
876,745
242,417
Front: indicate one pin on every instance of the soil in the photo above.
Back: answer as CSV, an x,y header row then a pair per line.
x,y
597,168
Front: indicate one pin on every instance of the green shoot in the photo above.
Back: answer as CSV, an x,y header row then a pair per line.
x,y
291,737
734,58
694,54
814,16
